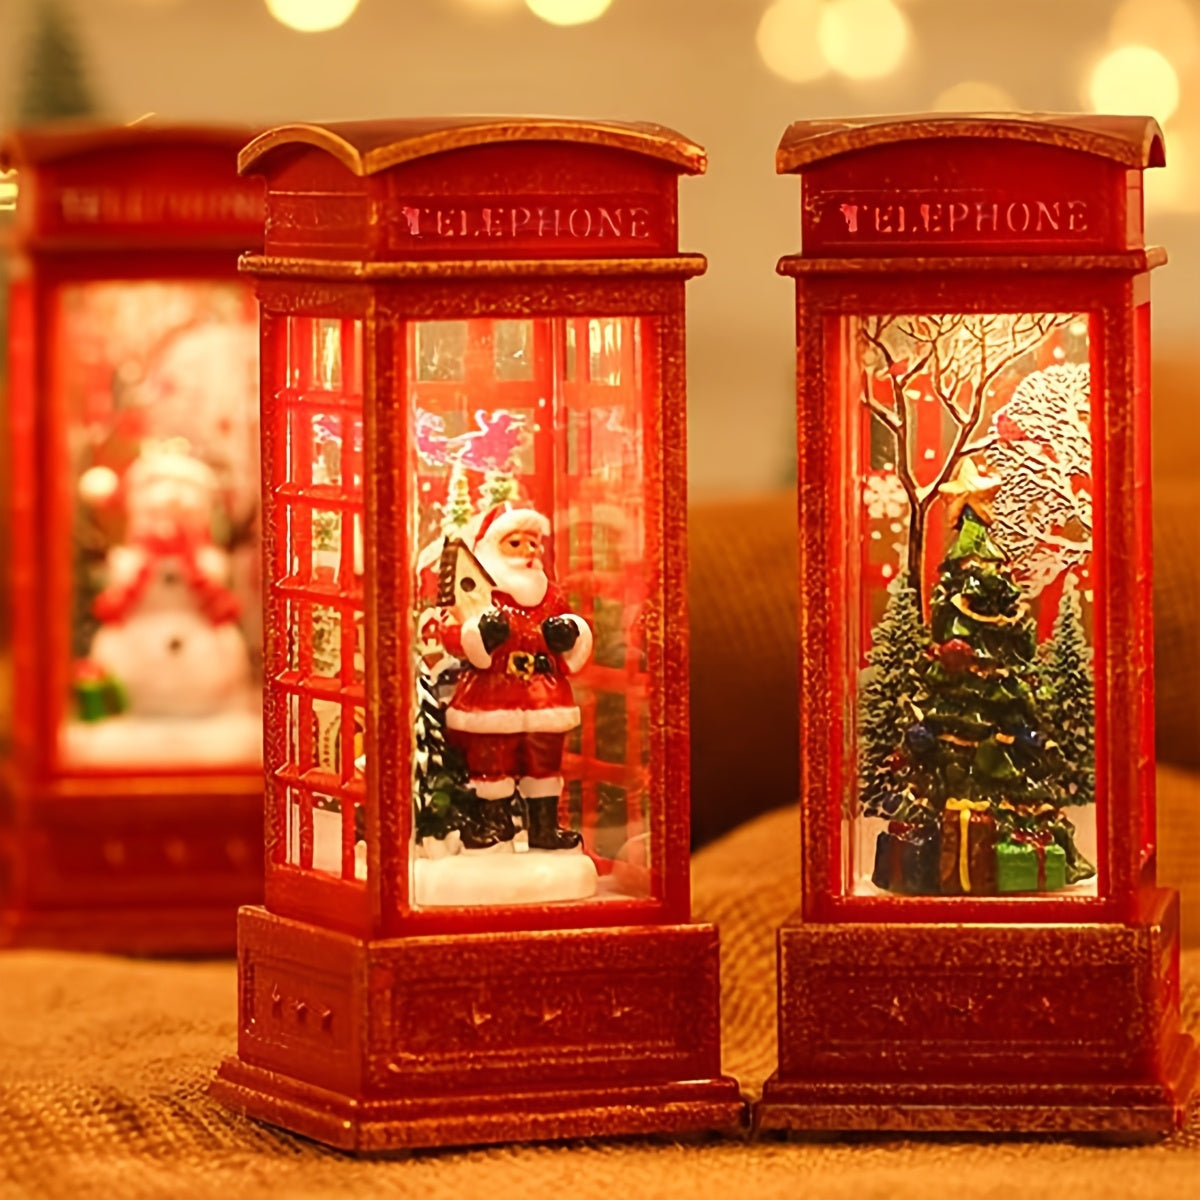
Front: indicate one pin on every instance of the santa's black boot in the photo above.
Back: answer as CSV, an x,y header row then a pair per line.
x,y
544,833
491,824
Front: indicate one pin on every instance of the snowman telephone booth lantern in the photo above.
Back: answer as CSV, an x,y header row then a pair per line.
x,y
980,942
476,922
132,782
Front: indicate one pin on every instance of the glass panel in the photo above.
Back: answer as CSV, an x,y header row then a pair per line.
x,y
320,780
158,382
513,350
531,776
441,347
971,766
605,358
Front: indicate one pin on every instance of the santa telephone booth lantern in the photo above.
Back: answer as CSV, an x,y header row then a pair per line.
x,y
980,942
476,923
132,782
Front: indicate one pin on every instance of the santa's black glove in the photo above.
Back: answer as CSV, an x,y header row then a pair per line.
x,y
493,629
561,633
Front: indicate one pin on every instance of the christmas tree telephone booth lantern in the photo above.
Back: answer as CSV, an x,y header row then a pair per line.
x,y
980,942
476,923
132,780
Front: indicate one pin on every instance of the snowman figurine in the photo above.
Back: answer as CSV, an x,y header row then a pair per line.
x,y
168,620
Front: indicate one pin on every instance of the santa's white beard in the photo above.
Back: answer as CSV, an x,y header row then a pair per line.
x,y
526,585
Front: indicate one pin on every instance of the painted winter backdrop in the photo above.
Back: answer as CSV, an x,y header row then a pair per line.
x,y
990,410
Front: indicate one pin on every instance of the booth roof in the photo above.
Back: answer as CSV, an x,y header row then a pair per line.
x,y
61,140
366,147
1130,141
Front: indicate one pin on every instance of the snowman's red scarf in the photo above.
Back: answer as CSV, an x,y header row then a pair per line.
x,y
217,602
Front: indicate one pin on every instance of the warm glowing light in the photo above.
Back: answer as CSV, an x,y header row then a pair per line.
x,y
863,39
490,7
787,40
1168,26
311,16
568,12
1134,80
8,190
974,95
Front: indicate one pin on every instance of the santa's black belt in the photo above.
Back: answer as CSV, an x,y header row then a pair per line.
x,y
525,665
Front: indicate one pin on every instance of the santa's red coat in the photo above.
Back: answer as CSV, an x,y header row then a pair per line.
x,y
511,695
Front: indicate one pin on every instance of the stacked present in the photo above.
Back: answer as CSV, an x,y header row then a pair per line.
x,y
97,694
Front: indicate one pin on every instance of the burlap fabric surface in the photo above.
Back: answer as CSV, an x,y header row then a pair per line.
x,y
104,1064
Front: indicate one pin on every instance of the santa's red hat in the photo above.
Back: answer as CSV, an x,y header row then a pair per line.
x,y
508,518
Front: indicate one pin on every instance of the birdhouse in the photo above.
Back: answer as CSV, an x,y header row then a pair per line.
x,y
476,923
980,941
132,781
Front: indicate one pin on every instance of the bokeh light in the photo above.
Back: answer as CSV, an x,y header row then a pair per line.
x,y
568,12
1134,80
787,40
311,16
1168,26
8,190
491,7
974,95
863,39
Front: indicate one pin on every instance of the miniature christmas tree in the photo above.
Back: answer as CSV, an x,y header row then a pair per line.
x,y
1068,697
976,770
442,797
889,685
55,84
458,509
497,488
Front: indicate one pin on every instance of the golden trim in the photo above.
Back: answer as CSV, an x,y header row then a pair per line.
x,y
1132,260
366,148
999,619
356,271
1131,141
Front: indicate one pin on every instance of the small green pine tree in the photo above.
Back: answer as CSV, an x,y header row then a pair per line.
x,y
458,509
55,84
497,487
889,683
441,796
1067,698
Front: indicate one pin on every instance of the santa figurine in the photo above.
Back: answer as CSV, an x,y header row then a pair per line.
x,y
513,706
168,620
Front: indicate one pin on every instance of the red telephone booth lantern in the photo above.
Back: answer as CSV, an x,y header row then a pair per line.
x,y
132,783
477,878
980,942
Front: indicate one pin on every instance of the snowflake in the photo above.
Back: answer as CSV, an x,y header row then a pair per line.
x,y
884,497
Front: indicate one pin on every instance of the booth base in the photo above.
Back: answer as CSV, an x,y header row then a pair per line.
x,y
192,932
143,865
989,1028
376,1126
456,1040
1128,1112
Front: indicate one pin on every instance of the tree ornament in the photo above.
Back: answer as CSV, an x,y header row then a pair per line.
x,y
955,655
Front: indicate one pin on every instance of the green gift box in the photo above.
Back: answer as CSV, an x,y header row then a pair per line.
x,y
1035,864
97,695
